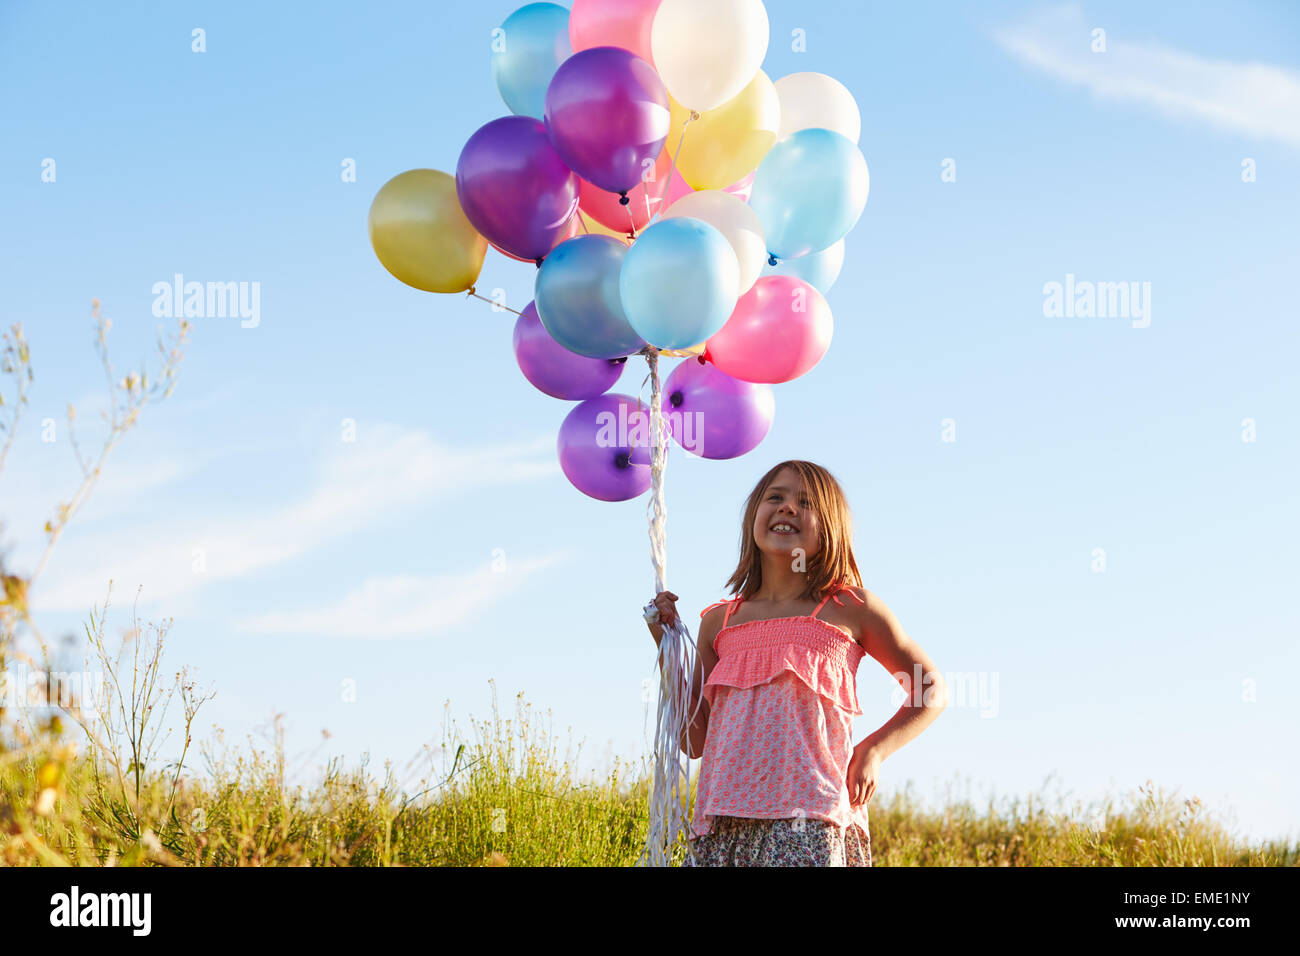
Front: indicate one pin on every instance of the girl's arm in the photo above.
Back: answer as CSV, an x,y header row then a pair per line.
x,y
886,641
693,737
705,659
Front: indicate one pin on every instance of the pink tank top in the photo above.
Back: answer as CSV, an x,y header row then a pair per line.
x,y
782,699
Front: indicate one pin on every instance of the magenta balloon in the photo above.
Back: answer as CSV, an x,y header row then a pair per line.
x,y
607,115
714,415
603,447
514,188
554,369
779,329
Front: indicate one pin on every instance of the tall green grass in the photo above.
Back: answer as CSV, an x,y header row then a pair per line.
x,y
505,796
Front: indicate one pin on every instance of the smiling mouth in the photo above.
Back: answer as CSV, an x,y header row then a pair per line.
x,y
783,528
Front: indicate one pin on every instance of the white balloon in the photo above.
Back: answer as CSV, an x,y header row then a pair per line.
x,y
736,221
815,100
707,51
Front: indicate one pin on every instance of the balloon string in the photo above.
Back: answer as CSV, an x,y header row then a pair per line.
x,y
663,196
582,222
631,223
472,291
646,352
669,796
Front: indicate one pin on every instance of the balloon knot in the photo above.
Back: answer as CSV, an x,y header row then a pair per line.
x,y
622,199
676,399
472,290
771,259
623,459
539,261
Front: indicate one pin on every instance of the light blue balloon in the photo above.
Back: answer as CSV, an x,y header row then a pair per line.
x,y
679,282
818,269
809,191
577,298
533,42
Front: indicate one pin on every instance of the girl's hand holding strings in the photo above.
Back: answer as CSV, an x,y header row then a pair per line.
x,y
664,602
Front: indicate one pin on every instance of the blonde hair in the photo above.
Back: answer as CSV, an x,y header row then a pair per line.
x,y
833,566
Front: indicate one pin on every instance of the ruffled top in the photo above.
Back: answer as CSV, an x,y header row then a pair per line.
x,y
782,698
816,651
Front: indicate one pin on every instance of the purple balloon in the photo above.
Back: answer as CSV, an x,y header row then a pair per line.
x,y
607,114
714,415
514,188
554,369
604,447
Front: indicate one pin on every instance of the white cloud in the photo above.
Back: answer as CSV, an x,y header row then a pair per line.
x,y
30,495
1253,98
405,605
39,475
387,472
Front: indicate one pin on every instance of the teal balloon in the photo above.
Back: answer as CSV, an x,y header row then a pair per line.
x,y
679,282
531,44
576,295
818,269
809,191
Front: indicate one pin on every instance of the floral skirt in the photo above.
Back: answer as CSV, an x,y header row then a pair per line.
x,y
796,841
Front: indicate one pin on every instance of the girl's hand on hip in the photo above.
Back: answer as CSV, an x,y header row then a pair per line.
x,y
864,767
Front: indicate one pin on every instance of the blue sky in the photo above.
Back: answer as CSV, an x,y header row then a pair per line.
x,y
373,561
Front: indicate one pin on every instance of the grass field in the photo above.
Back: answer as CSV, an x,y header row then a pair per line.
x,y
505,797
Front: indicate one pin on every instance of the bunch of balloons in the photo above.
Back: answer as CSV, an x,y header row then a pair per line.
x,y
676,201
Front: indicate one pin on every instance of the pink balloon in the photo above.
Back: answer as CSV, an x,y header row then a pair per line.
x,y
779,329
604,207
677,188
624,23
742,187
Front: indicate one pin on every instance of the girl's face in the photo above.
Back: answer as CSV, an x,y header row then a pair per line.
x,y
785,519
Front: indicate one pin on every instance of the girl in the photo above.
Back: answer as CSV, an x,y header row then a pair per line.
x,y
780,782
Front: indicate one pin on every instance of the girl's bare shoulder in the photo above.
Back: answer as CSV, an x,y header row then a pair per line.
x,y
710,623
871,611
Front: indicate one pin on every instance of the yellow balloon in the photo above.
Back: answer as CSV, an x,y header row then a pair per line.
x,y
727,143
421,235
684,353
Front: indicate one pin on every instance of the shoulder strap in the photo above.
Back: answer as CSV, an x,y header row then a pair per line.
x,y
731,607
835,594
731,610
